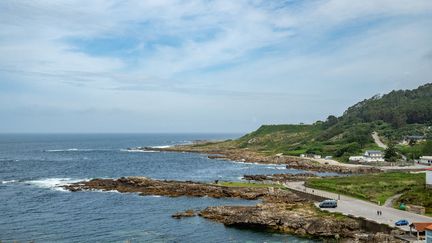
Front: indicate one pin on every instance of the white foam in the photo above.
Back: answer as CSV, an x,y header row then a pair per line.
x,y
276,167
138,151
75,150
8,182
259,164
54,183
161,146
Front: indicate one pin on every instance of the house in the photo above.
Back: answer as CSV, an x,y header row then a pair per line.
x,y
426,160
428,234
420,228
429,177
373,156
412,139
368,156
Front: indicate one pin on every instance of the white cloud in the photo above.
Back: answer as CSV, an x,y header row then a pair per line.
x,y
250,59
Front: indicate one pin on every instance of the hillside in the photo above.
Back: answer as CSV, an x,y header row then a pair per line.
x,y
394,115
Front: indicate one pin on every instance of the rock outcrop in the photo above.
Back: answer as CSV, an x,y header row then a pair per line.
x,y
146,186
280,177
279,210
299,219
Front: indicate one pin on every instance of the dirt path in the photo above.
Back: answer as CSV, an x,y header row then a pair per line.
x,y
389,202
378,141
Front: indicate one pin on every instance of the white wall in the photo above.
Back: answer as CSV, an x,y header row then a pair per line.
x,y
429,177
428,236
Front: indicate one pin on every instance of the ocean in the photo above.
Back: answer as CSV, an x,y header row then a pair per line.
x,y
34,206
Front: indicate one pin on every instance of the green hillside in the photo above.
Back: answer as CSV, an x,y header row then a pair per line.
x,y
394,115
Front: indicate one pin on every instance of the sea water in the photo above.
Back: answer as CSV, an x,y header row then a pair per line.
x,y
33,206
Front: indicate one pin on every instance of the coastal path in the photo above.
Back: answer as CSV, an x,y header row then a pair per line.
x,y
360,208
378,140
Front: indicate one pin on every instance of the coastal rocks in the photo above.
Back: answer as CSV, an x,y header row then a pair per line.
x,y
146,186
279,210
311,166
289,218
187,213
280,177
246,155
298,219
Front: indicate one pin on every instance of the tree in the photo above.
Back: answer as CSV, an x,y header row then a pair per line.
x,y
390,153
331,120
427,148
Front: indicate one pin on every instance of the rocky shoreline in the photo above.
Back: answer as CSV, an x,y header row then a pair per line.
x,y
280,177
245,155
279,210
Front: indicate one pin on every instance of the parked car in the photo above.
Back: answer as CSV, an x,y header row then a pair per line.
x,y
328,204
401,222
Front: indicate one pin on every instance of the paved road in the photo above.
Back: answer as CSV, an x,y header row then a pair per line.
x,y
359,208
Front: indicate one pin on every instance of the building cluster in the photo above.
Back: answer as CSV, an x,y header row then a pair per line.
x,y
369,156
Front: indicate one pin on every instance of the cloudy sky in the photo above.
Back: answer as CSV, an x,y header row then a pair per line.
x,y
202,66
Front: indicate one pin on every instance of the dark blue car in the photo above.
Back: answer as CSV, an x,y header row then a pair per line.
x,y
401,222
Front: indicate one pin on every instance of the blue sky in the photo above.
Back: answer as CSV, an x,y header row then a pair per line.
x,y
203,66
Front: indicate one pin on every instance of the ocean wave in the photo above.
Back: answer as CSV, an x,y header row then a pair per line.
x,y
8,182
75,150
8,160
138,151
277,167
53,183
273,166
161,146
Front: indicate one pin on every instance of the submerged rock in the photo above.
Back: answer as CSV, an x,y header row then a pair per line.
x,y
187,213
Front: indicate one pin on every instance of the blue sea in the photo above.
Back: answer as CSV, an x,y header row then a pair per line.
x,y
34,206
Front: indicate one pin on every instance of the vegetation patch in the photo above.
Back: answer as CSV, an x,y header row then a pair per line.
x,y
378,187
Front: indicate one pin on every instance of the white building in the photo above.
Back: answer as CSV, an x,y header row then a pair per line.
x,y
426,160
369,156
429,177
429,234
356,158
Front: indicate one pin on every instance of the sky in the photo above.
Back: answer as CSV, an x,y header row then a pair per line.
x,y
202,66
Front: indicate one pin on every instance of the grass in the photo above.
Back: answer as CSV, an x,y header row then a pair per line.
x,y
378,187
246,184
419,195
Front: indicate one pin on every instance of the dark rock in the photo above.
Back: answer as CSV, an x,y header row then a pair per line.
x,y
146,186
187,213
280,177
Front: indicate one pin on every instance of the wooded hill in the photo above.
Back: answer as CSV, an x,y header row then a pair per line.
x,y
393,115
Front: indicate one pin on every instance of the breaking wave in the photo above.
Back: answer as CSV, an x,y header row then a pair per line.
x,y
53,183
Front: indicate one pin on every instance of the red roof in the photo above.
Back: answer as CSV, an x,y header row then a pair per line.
x,y
420,227
428,169
429,227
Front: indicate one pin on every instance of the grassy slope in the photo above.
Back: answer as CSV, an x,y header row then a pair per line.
x,y
349,134
379,187
338,142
